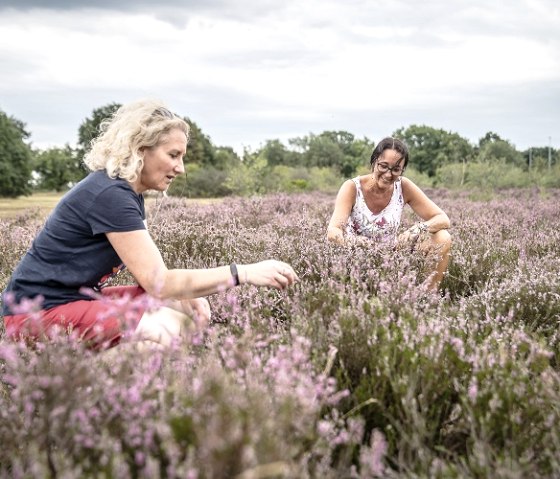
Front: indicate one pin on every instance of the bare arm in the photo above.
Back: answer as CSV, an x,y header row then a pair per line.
x,y
139,253
342,209
432,215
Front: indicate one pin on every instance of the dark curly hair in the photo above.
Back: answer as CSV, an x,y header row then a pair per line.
x,y
390,144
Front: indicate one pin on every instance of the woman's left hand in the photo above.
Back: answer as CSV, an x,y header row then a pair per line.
x,y
198,308
411,235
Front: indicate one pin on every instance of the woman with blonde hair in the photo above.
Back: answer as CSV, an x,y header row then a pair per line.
x,y
99,227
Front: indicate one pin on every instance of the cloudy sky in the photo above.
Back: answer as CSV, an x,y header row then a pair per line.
x,y
251,70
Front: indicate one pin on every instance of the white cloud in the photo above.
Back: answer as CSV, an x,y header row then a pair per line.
x,y
250,71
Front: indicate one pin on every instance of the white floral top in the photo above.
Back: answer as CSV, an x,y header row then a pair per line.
x,y
383,225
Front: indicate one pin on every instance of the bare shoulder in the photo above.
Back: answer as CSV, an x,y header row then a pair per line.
x,y
345,199
348,189
407,183
410,190
349,184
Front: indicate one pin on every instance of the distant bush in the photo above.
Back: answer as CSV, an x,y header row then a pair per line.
x,y
496,175
549,178
200,182
251,179
286,179
420,179
257,177
452,175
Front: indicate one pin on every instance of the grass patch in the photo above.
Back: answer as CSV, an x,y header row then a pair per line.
x,y
46,201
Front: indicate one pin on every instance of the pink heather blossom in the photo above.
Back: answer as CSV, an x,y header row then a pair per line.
x,y
473,390
371,458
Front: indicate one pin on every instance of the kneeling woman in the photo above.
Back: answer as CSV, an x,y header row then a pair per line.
x,y
98,228
370,207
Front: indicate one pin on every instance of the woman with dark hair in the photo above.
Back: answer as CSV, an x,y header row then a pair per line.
x,y
370,207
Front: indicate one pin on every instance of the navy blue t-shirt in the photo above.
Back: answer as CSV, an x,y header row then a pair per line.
x,y
72,251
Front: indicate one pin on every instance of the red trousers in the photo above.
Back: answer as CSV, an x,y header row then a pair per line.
x,y
98,322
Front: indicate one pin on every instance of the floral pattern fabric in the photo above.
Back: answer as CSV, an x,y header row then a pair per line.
x,y
385,224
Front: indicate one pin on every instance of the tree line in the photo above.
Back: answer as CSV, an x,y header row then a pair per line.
x,y
311,162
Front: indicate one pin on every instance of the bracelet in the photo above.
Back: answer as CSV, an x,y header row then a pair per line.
x,y
234,273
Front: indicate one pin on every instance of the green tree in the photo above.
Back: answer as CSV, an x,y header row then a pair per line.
x,y
225,158
200,150
15,158
490,137
319,150
338,149
89,128
500,151
249,177
200,182
431,148
539,157
357,154
57,168
276,153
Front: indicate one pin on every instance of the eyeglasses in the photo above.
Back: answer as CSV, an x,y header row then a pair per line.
x,y
396,170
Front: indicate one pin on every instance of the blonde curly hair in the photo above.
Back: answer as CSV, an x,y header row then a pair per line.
x,y
134,126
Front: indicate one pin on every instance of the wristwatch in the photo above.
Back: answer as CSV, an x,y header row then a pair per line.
x,y
234,274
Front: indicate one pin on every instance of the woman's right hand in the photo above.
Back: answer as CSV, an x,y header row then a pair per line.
x,y
272,273
359,240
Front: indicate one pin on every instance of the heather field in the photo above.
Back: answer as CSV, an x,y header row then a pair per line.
x,y
356,372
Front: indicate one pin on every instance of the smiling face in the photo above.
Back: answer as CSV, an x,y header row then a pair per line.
x,y
163,162
388,168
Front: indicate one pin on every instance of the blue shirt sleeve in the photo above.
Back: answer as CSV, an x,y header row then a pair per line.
x,y
116,209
